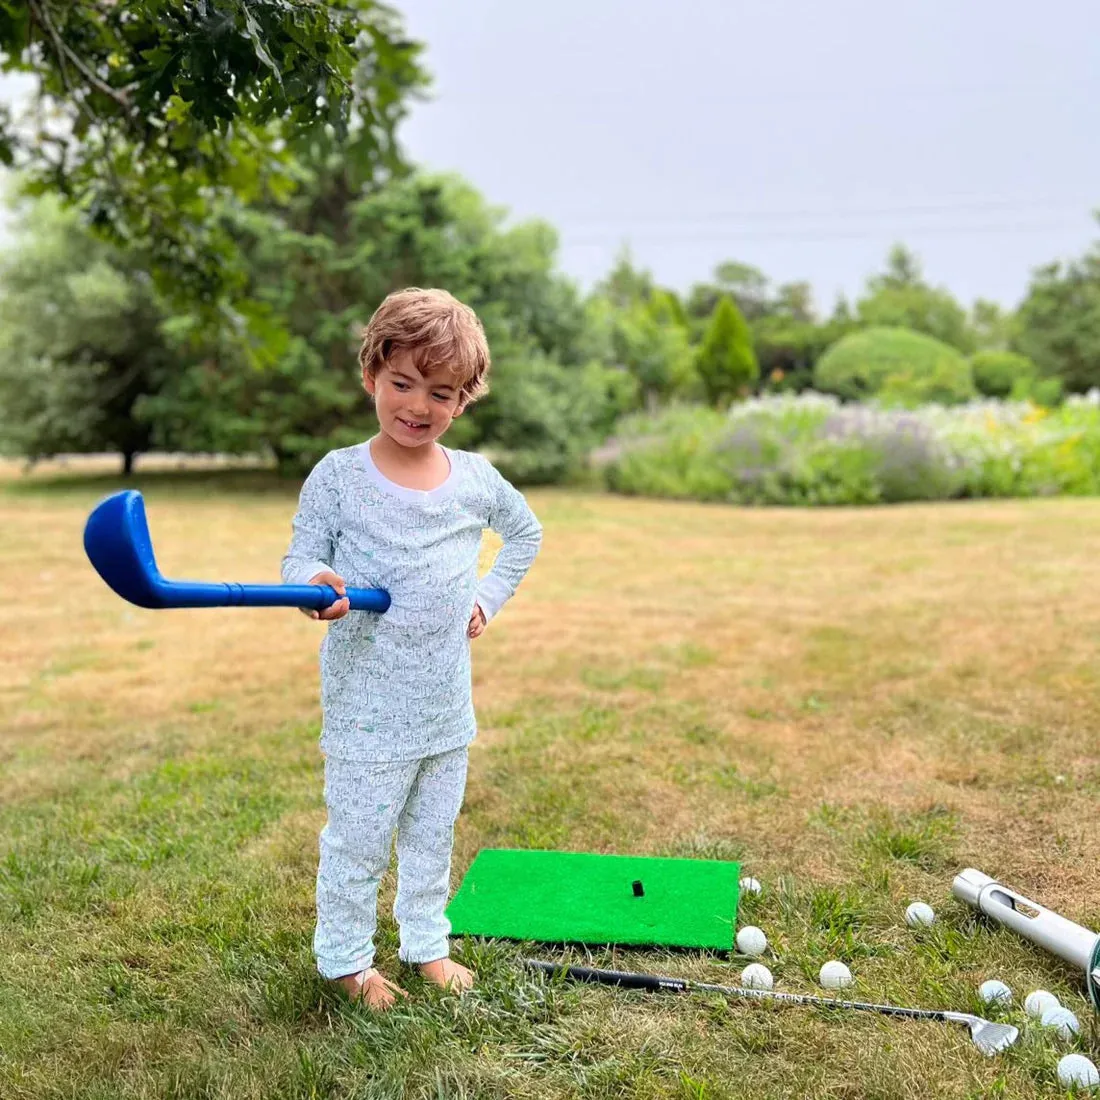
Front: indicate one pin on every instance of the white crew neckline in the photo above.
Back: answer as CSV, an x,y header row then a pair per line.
x,y
443,489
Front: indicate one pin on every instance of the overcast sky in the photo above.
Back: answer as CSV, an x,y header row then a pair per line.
x,y
803,136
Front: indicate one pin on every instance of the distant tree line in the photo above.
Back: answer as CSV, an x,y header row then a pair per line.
x,y
196,256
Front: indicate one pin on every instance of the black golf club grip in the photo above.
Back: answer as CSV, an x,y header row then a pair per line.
x,y
625,978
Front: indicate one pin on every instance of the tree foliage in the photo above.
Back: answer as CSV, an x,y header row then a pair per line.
x,y
748,286
80,342
626,284
1059,321
147,112
787,349
648,342
317,290
991,325
725,360
900,298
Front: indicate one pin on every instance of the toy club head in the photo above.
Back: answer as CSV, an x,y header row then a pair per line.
x,y
117,542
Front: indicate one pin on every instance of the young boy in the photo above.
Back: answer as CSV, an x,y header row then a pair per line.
x,y
404,513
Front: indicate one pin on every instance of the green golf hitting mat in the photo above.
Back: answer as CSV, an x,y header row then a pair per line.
x,y
577,897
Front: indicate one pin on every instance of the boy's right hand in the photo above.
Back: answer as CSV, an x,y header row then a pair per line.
x,y
336,610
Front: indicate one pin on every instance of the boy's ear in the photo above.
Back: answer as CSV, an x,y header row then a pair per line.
x,y
368,382
459,410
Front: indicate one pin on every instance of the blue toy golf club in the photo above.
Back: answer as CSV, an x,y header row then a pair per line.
x,y
117,542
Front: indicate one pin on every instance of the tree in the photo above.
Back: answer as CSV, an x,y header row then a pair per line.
x,y
626,284
148,112
903,271
842,310
1059,321
747,285
900,298
317,288
991,325
80,343
650,343
725,361
787,349
795,301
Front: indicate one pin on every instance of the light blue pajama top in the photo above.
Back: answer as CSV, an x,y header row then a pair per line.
x,y
397,686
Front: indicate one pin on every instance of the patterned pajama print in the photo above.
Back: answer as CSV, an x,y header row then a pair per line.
x,y
395,688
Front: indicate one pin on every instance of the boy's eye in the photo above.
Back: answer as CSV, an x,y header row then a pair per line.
x,y
401,385
440,396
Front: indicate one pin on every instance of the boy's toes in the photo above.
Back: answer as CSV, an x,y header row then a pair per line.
x,y
371,989
448,974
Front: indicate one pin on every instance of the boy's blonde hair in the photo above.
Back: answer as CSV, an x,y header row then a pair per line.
x,y
437,330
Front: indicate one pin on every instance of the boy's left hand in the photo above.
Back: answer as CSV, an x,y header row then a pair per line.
x,y
477,622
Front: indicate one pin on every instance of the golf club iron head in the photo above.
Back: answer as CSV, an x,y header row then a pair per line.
x,y
989,1036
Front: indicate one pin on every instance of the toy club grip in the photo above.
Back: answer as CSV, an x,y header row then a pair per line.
x,y
359,599
624,978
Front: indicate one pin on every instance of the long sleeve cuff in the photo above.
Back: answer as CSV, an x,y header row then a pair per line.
x,y
302,572
492,594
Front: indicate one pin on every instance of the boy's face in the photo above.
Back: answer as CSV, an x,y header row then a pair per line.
x,y
413,409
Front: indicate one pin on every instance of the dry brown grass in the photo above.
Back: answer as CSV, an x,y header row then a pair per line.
x,y
808,690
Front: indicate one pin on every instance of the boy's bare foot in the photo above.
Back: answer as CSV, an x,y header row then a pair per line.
x,y
448,974
368,987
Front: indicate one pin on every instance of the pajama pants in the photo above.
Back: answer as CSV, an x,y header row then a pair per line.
x,y
367,802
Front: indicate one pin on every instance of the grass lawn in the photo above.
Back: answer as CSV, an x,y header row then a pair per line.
x,y
855,704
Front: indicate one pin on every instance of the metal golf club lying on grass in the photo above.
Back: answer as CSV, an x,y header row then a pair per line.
x,y
117,542
989,1037
1069,941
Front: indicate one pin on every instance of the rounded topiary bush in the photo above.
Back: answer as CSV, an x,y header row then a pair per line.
x,y
896,365
1000,373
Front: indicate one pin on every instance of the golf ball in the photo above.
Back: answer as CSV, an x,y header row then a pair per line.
x,y
756,976
995,992
750,885
835,975
751,940
919,915
1036,1003
1063,1021
1077,1070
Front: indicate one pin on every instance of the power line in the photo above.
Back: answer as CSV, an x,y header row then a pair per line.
x,y
623,95
773,214
812,236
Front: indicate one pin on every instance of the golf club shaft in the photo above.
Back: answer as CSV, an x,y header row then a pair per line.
x,y
632,980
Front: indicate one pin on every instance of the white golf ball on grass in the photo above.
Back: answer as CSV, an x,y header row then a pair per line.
x,y
751,941
750,885
835,975
1063,1021
757,976
1075,1070
919,915
1038,1001
994,992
